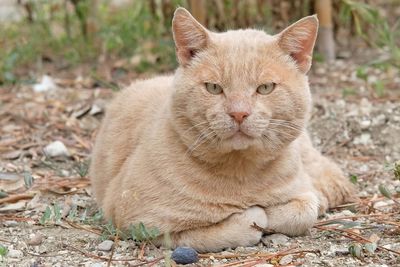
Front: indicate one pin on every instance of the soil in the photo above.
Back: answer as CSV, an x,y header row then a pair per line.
x,y
353,122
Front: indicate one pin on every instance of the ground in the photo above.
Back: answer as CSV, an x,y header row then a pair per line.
x,y
48,217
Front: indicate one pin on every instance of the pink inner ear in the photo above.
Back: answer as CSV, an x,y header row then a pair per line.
x,y
189,35
298,41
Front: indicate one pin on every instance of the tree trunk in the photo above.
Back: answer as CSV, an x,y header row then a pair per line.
x,y
325,41
198,9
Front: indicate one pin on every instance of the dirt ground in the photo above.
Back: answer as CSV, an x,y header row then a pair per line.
x,y
48,217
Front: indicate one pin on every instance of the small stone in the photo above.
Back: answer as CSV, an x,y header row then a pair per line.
x,y
379,120
184,255
95,110
35,240
363,139
342,252
13,253
263,265
10,223
46,84
380,204
105,245
275,239
365,124
285,260
56,149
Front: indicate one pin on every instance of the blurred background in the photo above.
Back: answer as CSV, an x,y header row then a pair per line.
x,y
112,42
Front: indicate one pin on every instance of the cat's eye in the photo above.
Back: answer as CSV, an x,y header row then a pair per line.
x,y
213,88
265,89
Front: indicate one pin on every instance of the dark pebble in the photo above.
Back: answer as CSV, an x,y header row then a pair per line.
x,y
184,255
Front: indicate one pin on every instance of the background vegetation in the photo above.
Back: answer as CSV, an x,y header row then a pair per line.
x,y
135,37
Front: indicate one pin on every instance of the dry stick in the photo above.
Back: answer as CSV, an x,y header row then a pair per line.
x,y
90,255
77,226
141,254
113,248
6,241
355,237
15,198
321,223
265,257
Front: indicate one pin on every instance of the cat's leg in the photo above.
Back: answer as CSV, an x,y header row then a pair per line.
x,y
327,178
296,216
234,231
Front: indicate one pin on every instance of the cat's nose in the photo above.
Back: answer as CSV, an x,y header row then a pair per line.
x,y
239,116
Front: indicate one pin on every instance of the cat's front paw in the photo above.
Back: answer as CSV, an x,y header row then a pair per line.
x,y
295,217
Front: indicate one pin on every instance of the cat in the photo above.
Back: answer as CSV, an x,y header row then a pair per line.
x,y
220,145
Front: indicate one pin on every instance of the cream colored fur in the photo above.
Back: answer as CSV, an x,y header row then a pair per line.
x,y
169,155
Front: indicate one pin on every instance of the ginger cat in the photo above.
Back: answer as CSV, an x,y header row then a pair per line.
x,y
220,144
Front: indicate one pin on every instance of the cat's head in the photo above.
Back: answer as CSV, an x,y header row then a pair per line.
x,y
241,89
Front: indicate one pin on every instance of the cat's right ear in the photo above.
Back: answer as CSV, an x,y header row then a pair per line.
x,y
189,35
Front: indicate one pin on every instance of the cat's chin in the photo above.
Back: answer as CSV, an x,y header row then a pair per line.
x,y
239,141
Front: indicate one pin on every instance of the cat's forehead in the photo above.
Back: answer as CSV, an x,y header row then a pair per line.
x,y
241,38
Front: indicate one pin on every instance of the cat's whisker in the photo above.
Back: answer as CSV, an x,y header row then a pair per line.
x,y
194,126
283,133
201,141
298,130
274,146
286,123
203,134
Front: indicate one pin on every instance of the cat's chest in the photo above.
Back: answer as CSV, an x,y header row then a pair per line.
x,y
262,191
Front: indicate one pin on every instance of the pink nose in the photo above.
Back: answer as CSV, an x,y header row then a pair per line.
x,y
239,116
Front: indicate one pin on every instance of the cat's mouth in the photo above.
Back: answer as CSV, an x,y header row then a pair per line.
x,y
239,134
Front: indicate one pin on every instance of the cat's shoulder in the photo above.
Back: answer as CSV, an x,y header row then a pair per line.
x,y
158,82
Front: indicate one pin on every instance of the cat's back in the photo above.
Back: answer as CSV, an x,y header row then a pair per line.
x,y
127,116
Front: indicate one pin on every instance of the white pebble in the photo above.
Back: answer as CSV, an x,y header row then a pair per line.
x,y
56,149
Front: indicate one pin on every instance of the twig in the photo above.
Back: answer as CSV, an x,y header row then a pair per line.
x,y
265,257
15,198
258,257
321,223
263,230
6,241
113,248
77,226
355,237
141,254
90,255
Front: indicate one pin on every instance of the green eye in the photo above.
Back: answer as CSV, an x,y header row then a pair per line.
x,y
265,89
214,88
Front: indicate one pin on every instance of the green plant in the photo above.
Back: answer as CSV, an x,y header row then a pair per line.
x,y
140,233
51,215
3,252
82,168
353,179
373,28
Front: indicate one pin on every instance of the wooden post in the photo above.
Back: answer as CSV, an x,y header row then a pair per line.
x,y
325,41
198,9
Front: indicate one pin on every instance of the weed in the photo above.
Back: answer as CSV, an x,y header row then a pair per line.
x,y
353,179
140,233
379,88
396,170
46,216
361,72
51,215
82,168
28,179
3,251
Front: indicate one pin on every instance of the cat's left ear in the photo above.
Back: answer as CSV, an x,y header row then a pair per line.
x,y
189,35
298,41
